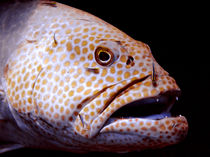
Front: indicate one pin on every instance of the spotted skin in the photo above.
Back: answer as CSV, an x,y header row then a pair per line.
x,y
57,87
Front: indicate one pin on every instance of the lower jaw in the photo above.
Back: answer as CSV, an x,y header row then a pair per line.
x,y
152,126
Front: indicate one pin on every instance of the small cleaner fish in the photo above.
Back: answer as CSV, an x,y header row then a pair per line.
x,y
72,82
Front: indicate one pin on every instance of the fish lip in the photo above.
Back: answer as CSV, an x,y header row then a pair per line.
x,y
174,94
166,99
175,128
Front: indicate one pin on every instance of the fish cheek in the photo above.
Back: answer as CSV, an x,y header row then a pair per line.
x,y
54,96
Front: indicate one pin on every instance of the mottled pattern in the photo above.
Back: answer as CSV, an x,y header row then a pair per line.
x,y
57,77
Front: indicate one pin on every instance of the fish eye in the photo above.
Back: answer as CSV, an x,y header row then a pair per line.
x,y
104,56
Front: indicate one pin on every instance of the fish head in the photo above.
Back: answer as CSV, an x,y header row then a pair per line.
x,y
81,78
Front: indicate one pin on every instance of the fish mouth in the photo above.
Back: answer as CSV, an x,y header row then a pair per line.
x,y
154,113
122,116
157,107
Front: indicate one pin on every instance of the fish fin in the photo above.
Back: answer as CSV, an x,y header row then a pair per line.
x,y
9,147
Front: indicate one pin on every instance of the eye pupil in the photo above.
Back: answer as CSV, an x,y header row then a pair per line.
x,y
104,56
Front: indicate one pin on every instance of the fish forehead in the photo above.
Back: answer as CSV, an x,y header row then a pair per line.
x,y
48,75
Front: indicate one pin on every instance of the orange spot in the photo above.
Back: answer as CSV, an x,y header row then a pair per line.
x,y
77,49
129,99
61,109
77,29
107,36
67,63
86,117
110,79
69,46
119,65
144,128
30,100
144,69
86,109
51,109
92,47
63,56
92,113
63,41
156,122
147,83
112,70
154,91
92,106
90,56
46,60
141,123
135,72
123,124
72,56
84,43
85,30
39,68
167,122
132,125
126,75
88,84
84,50
72,106
141,64
104,72
170,128
76,41
148,123
162,127
59,49
74,84
123,58
153,129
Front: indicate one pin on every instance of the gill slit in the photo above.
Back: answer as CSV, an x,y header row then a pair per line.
x,y
36,109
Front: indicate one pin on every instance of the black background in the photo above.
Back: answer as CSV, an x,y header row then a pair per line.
x,y
177,37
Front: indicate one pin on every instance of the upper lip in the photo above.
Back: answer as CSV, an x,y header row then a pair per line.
x,y
123,89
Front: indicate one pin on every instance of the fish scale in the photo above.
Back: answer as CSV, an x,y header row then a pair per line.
x,y
71,72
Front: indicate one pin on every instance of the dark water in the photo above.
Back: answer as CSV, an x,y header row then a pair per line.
x,y
170,31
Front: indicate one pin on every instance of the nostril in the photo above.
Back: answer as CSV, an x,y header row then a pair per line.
x,y
130,61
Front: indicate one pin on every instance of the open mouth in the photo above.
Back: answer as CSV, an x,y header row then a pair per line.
x,y
124,116
154,113
157,107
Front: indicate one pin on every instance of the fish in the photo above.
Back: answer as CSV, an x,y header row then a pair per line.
x,y
73,82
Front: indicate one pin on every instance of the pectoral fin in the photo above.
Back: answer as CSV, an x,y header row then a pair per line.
x,y
9,147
